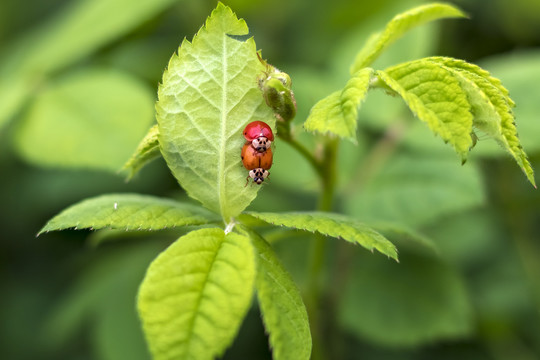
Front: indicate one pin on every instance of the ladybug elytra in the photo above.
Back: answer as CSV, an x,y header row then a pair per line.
x,y
253,159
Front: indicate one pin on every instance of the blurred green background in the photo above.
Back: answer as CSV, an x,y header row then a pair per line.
x,y
78,82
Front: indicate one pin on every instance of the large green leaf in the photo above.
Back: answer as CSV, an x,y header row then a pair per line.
x,y
436,97
334,225
418,301
208,95
282,308
338,112
399,25
196,293
88,119
128,212
64,39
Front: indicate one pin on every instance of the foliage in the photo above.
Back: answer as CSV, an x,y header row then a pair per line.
x,y
197,293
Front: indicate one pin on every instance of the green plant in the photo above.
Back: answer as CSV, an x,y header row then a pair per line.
x,y
196,293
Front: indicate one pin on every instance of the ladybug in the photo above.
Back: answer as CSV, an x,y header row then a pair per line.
x,y
253,159
256,129
258,175
260,135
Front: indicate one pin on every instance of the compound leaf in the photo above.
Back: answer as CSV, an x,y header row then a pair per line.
x,y
335,225
128,212
208,95
196,293
283,311
399,25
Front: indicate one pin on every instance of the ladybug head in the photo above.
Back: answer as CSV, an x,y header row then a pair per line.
x,y
258,175
261,143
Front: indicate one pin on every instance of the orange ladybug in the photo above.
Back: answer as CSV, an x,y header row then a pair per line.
x,y
253,159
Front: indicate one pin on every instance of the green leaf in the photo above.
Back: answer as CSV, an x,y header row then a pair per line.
x,y
519,71
208,95
416,189
129,212
88,119
492,108
335,225
196,293
66,38
147,150
399,25
283,312
418,301
337,113
436,97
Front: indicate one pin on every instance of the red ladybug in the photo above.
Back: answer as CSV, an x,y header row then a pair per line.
x,y
253,159
256,129
260,135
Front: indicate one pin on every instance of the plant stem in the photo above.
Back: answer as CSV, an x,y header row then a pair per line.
x,y
327,173
304,152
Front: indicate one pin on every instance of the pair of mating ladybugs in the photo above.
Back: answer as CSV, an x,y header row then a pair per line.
x,y
257,152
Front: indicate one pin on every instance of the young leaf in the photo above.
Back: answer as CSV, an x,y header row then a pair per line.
x,y
276,89
335,225
147,151
208,95
87,119
128,212
436,97
338,112
196,293
492,107
283,312
399,25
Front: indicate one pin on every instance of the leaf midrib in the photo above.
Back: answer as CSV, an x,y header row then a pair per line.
x,y
192,325
222,145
